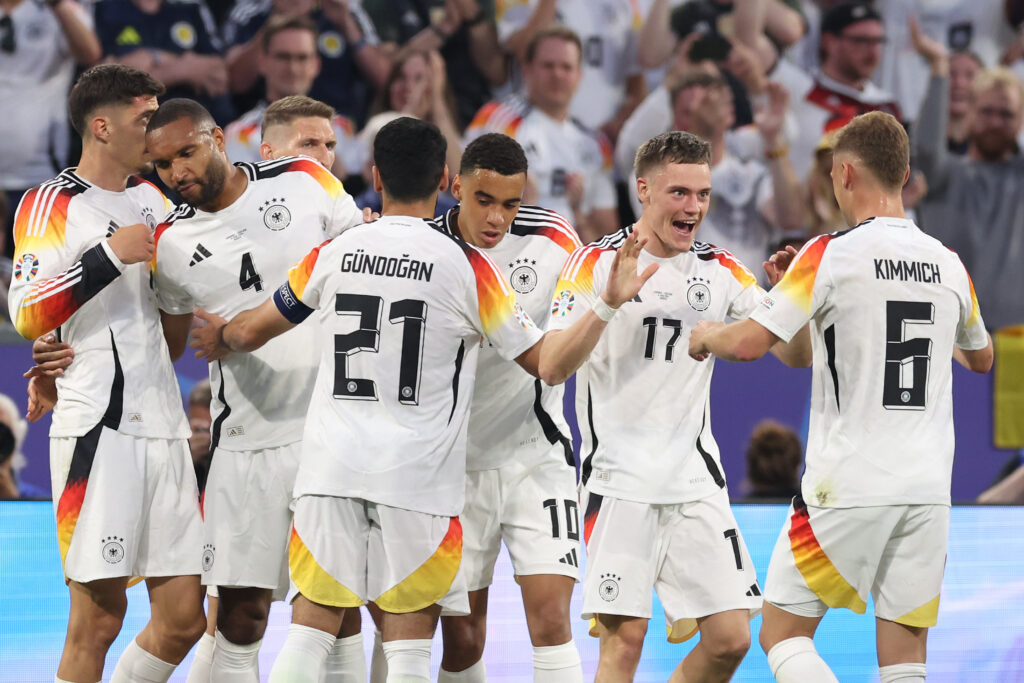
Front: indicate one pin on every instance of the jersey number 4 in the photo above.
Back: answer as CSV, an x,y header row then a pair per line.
x,y
410,314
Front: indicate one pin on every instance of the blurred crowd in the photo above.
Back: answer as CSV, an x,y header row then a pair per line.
x,y
581,84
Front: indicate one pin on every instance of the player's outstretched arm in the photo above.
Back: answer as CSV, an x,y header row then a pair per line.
x,y
979,360
247,331
739,342
562,352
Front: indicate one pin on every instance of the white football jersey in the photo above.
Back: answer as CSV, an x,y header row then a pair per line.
x,y
554,149
641,401
886,304
68,279
242,139
230,261
513,412
401,307
609,30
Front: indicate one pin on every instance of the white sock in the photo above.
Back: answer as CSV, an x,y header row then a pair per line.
x,y
911,672
347,661
795,660
474,674
302,657
61,680
408,661
557,664
234,663
138,666
378,662
203,660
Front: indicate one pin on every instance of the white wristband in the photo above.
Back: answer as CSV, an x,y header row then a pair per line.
x,y
603,310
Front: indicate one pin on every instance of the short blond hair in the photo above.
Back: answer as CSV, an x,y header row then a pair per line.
x,y
1002,78
287,109
880,142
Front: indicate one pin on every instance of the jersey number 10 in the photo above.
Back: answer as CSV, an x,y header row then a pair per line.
x,y
410,314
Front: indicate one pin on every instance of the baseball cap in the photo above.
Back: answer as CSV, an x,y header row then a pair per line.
x,y
841,16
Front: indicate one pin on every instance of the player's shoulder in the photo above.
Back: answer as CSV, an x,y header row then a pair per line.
x,y
585,258
541,223
274,168
169,230
49,203
718,258
502,116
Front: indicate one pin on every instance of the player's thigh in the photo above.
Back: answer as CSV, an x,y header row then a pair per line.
x,y
414,561
540,520
481,527
247,518
707,568
827,557
623,557
909,578
171,540
176,601
327,551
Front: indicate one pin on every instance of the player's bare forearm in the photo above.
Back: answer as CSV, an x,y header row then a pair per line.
x,y
979,360
797,352
562,352
738,342
249,330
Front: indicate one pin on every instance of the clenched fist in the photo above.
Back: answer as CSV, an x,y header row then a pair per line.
x,y
133,243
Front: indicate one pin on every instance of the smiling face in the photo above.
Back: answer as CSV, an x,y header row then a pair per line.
x,y
675,199
190,159
488,203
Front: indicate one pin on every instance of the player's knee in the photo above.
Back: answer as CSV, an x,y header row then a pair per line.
x,y
98,632
242,618
179,632
549,624
729,649
463,643
626,643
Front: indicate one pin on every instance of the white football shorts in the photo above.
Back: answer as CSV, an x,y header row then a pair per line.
x,y
836,557
125,506
692,554
247,519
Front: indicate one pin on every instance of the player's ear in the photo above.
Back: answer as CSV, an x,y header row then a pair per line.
x,y
266,151
457,187
218,138
643,190
378,186
99,126
444,180
906,176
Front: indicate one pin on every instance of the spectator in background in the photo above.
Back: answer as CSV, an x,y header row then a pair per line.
x,y
1008,488
823,209
774,458
174,41
964,67
40,45
353,64
570,165
852,37
199,422
754,200
12,434
290,63
975,205
463,31
612,83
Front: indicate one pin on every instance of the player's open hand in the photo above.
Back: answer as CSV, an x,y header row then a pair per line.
x,y
133,243
698,350
42,396
777,264
623,282
50,357
207,338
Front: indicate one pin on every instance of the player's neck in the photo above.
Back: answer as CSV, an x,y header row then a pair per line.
x,y
105,173
876,205
234,186
419,209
